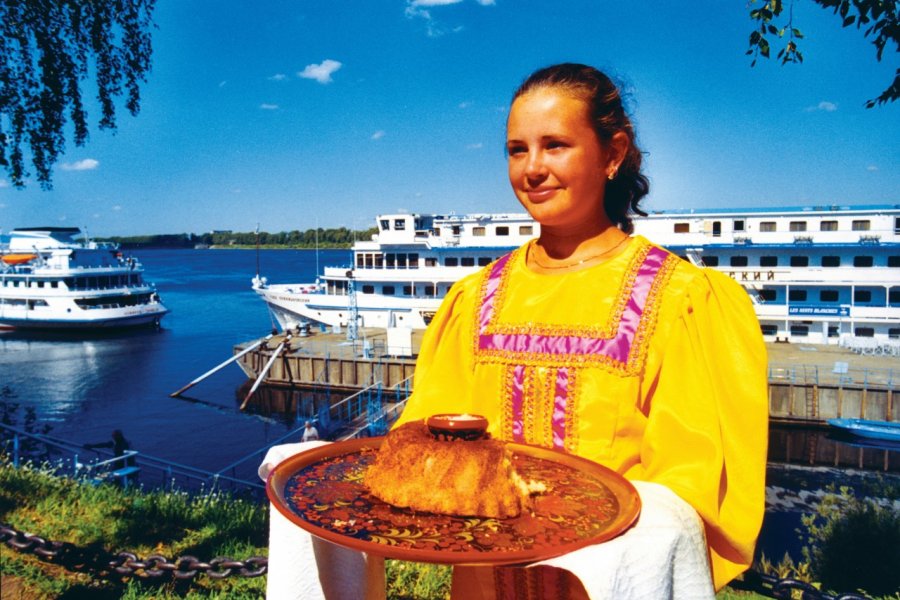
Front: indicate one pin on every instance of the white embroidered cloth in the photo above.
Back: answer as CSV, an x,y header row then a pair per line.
x,y
662,557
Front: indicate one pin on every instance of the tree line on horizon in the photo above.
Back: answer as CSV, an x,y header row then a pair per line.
x,y
311,238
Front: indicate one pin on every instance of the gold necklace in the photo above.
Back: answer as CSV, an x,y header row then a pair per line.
x,y
575,264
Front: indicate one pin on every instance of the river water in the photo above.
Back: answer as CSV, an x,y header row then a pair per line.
x,y
85,385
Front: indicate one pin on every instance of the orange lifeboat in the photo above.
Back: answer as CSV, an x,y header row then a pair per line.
x,y
18,259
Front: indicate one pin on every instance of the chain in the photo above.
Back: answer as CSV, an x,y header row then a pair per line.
x,y
771,586
156,566
93,559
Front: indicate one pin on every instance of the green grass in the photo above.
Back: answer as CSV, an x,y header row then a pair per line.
x,y
172,524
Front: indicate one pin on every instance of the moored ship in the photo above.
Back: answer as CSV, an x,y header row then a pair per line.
x,y
55,278
820,275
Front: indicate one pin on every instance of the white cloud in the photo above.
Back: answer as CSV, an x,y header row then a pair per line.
x,y
486,2
265,106
465,104
88,164
823,105
321,72
95,215
378,135
475,146
433,2
222,84
117,207
278,77
871,168
4,183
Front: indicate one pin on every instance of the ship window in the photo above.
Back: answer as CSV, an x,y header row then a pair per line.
x,y
359,260
503,230
894,333
833,331
717,228
455,229
797,295
429,290
738,261
828,296
40,284
863,261
831,261
399,224
863,225
798,226
894,261
484,261
390,260
451,261
894,297
413,260
767,295
682,227
526,230
799,261
768,261
401,261
407,290
388,290
379,261
862,296
828,226
368,289
769,329
768,226
370,261
864,332
738,224
384,224
711,261
896,224
468,261
478,231
430,261
799,330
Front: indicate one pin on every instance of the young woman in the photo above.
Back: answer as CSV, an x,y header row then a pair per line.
x,y
601,344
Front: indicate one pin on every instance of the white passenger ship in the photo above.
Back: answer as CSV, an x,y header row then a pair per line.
x,y
816,275
54,278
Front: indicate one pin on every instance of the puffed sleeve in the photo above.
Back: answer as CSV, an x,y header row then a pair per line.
x,y
443,377
707,429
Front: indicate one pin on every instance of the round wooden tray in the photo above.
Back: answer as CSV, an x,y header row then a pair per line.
x,y
321,491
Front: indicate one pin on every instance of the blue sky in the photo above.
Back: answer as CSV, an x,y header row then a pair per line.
x,y
299,113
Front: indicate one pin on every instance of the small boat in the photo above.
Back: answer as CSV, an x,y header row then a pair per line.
x,y
56,278
877,430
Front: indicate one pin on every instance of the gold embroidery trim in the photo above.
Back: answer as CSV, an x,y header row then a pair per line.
x,y
637,352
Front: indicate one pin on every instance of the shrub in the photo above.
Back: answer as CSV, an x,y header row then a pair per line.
x,y
854,544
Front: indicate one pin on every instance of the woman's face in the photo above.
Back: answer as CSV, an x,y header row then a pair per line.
x,y
557,165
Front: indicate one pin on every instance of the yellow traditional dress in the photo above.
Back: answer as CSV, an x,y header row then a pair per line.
x,y
645,363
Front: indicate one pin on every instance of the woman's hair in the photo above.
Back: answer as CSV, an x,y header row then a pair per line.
x,y
625,191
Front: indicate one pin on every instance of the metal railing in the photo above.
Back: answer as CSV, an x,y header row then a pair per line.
x,y
152,472
839,374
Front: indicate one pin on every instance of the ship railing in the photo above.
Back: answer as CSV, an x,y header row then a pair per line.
x,y
19,447
838,375
870,346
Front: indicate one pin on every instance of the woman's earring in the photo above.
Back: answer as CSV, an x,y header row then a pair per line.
x,y
612,174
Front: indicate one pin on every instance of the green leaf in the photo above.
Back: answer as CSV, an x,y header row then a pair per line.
x,y
849,20
796,33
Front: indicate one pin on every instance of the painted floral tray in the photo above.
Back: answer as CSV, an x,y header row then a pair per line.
x,y
321,491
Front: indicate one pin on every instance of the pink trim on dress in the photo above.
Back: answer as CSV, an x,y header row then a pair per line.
x,y
617,348
560,398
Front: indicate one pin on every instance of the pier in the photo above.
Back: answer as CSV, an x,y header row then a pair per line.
x,y
807,385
